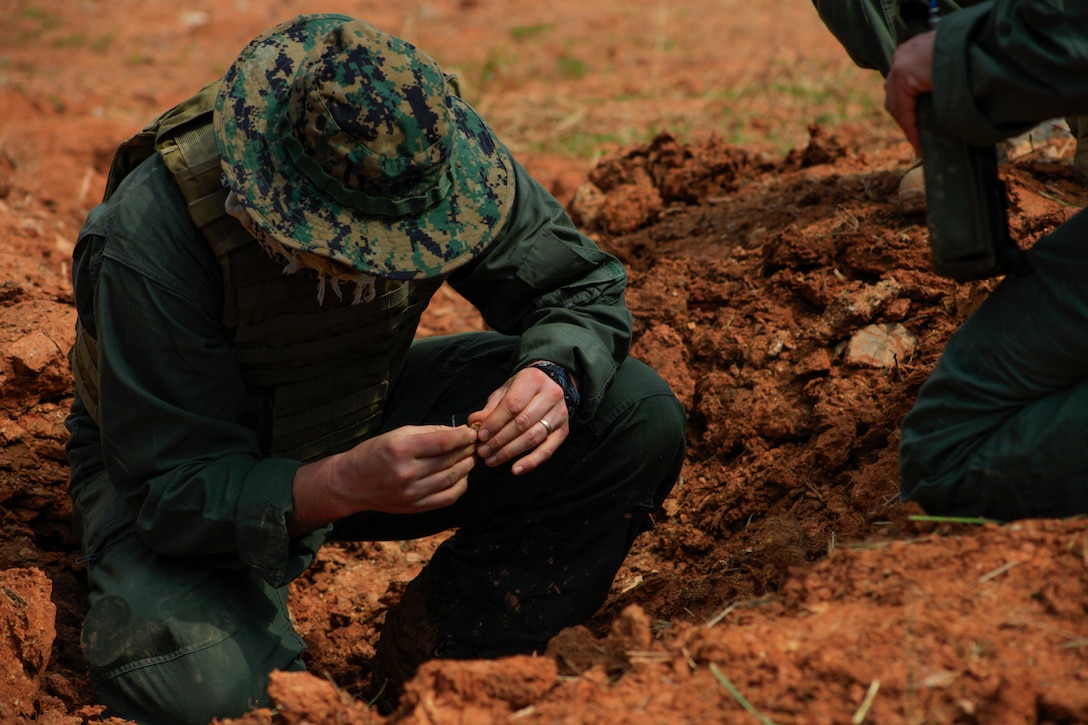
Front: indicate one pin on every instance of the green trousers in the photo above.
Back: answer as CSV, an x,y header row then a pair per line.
x,y
176,641
1000,429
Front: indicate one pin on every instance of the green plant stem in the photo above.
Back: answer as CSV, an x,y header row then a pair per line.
x,y
739,697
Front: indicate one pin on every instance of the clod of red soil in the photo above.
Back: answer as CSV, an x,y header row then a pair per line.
x,y
26,625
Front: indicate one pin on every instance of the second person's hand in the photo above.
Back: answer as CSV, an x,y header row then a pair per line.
x,y
910,76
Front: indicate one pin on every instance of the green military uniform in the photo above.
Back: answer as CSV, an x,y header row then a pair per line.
x,y
998,430
867,30
207,377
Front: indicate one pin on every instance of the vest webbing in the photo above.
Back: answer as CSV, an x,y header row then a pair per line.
x,y
317,375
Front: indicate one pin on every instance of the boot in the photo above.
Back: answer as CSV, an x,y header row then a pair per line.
x,y
911,197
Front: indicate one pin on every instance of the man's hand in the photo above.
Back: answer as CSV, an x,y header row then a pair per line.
x,y
910,76
528,415
407,470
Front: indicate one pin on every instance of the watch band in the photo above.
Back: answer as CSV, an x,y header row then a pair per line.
x,y
562,378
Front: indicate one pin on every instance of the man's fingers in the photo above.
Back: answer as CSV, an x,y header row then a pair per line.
x,y
910,76
445,497
436,492
439,483
518,405
445,468
524,433
437,440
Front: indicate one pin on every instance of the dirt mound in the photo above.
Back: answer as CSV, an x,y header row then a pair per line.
x,y
786,574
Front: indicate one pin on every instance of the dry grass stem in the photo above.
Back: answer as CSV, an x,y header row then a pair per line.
x,y
998,571
863,710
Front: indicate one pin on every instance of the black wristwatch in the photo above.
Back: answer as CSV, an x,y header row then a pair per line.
x,y
562,378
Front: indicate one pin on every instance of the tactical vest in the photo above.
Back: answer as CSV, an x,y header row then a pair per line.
x,y
317,375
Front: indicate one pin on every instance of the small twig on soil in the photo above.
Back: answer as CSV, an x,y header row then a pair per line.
x,y
635,656
847,217
689,658
84,186
661,626
1063,202
374,700
739,697
1083,547
747,603
720,615
870,696
920,316
1074,638
998,571
571,120
870,545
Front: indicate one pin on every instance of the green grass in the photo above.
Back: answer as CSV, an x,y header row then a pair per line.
x,y
525,32
973,520
78,40
137,58
102,43
583,144
46,20
493,69
75,40
770,109
570,68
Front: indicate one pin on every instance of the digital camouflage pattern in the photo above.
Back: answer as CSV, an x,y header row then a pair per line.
x,y
344,141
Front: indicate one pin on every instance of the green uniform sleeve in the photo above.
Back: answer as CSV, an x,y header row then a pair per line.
x,y
1001,67
172,398
549,284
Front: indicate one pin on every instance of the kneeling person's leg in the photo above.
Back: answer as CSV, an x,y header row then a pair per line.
x,y
998,428
174,642
538,552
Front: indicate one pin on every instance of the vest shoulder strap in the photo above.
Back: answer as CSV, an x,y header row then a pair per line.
x,y
190,113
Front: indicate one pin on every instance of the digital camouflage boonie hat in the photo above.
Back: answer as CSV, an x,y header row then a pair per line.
x,y
343,141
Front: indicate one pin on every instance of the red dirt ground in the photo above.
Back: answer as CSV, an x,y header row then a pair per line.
x,y
742,169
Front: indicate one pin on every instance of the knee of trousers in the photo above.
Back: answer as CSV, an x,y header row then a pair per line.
x,y
934,466
641,419
923,472
181,669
